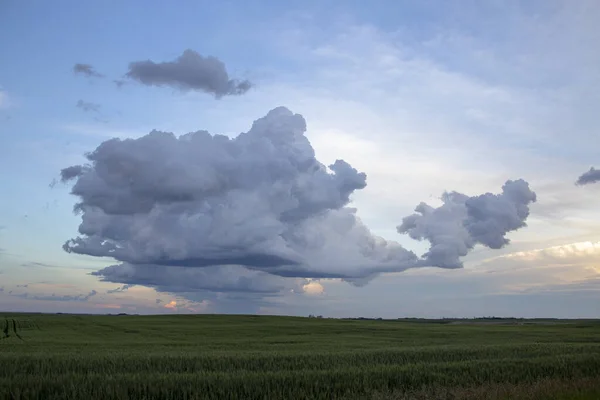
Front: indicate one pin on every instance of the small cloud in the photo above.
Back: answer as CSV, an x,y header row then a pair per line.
x,y
119,83
158,301
313,288
33,264
88,106
123,288
591,176
86,70
54,297
109,306
171,305
190,71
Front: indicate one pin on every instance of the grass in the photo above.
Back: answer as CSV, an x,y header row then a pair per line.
x,y
251,357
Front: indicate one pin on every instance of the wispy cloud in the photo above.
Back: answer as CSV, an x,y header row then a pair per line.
x,y
88,106
86,70
120,289
54,297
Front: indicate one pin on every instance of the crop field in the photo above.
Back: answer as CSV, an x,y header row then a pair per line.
x,y
261,357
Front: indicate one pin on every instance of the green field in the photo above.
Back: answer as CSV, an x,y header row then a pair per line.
x,y
259,357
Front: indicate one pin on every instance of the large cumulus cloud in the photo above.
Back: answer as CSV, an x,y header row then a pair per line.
x,y
190,71
262,205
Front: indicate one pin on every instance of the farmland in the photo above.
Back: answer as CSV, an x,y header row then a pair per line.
x,y
262,357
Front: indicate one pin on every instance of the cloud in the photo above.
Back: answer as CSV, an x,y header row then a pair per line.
x,y
591,176
454,228
54,297
86,70
119,289
262,202
88,106
172,279
119,83
582,254
35,264
313,288
158,301
171,305
190,71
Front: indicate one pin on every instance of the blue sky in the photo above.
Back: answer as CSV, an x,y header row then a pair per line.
x,y
423,96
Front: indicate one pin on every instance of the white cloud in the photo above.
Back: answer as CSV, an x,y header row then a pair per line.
x,y
313,288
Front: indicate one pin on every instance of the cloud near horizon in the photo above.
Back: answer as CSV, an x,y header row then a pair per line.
x,y
209,212
54,297
190,71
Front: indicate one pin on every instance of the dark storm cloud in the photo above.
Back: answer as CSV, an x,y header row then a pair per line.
x,y
591,176
88,106
190,71
178,211
86,70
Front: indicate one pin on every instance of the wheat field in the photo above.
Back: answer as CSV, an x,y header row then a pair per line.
x,y
262,357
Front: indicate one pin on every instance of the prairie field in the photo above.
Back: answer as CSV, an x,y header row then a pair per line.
x,y
263,357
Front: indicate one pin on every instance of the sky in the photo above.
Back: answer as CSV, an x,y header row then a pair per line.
x,y
396,159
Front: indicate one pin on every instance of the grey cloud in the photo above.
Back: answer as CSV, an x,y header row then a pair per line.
x,y
173,279
69,173
123,288
158,301
194,205
454,228
119,83
190,71
54,297
86,70
591,176
88,106
35,264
